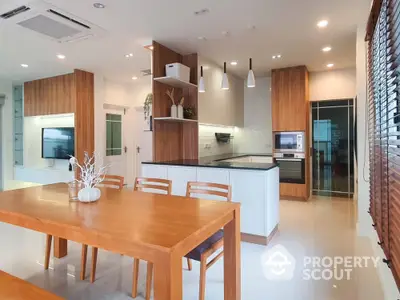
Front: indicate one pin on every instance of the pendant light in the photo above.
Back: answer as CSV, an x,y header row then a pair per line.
x,y
202,87
251,81
225,82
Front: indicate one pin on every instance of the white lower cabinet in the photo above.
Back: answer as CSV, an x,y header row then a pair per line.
x,y
257,191
214,175
180,177
155,171
248,188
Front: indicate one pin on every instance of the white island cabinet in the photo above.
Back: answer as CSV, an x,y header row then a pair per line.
x,y
257,191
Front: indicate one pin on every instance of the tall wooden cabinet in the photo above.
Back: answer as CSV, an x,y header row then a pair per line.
x,y
290,112
289,99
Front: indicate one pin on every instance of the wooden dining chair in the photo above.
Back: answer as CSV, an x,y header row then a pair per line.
x,y
214,243
207,248
153,185
111,181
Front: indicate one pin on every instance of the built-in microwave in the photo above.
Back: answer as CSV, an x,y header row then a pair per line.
x,y
289,142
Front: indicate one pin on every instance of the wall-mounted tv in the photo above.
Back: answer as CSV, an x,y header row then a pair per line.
x,y
58,143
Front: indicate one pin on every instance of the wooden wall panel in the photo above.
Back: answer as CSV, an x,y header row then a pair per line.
x,y
291,112
289,191
49,96
83,94
173,140
289,104
190,131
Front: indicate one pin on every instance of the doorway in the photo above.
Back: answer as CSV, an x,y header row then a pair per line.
x,y
115,144
333,148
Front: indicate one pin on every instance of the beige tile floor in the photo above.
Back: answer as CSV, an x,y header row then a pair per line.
x,y
320,227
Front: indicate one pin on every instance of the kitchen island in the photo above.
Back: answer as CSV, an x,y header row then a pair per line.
x,y
254,180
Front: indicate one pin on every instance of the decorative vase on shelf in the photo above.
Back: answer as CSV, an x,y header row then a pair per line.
x,y
180,111
89,194
174,112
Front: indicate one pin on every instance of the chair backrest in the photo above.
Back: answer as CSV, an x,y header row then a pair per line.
x,y
207,188
143,184
113,181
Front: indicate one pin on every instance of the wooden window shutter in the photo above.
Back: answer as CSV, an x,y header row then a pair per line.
x,y
383,60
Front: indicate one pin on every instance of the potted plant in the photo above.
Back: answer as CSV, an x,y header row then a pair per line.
x,y
147,106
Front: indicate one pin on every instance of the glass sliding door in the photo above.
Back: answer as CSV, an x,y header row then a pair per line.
x,y
333,148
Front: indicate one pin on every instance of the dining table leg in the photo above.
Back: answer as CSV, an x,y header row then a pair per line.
x,y
60,247
232,263
168,278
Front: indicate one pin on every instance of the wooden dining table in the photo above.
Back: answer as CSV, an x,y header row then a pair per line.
x,y
152,227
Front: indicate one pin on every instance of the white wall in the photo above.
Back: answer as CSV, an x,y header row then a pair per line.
x,y
216,106
7,133
208,144
256,135
33,140
124,95
364,224
36,169
334,84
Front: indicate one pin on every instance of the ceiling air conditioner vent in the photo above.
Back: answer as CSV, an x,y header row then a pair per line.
x,y
14,12
68,18
48,21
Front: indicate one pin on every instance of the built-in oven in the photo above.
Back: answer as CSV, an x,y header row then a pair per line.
x,y
289,142
291,167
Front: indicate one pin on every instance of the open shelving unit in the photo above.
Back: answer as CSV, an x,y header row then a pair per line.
x,y
174,138
171,119
175,82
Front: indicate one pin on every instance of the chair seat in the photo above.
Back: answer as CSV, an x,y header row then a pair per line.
x,y
204,246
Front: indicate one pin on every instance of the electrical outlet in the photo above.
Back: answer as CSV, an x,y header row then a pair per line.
x,y
207,146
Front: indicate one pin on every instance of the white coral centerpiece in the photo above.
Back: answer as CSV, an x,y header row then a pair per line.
x,y
90,176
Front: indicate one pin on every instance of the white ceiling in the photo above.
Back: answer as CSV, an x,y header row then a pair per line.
x,y
287,27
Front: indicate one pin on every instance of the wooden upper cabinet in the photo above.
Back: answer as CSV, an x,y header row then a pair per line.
x,y
49,96
290,99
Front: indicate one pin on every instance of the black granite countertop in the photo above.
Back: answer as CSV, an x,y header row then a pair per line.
x,y
216,161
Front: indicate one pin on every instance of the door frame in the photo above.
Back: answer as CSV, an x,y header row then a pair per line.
x,y
349,108
109,108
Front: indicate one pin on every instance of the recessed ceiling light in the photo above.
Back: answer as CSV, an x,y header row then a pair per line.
x,y
322,23
60,56
279,56
99,5
151,47
330,65
276,56
24,65
234,63
273,57
134,78
327,49
128,55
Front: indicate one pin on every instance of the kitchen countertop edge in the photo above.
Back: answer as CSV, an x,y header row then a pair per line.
x,y
217,162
